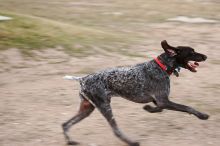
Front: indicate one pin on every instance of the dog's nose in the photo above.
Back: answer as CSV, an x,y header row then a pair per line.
x,y
204,57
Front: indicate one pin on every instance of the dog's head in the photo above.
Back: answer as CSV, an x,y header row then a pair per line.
x,y
184,56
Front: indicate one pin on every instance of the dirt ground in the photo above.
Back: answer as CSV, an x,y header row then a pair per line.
x,y
35,100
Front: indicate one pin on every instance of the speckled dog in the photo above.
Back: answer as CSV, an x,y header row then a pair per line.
x,y
141,83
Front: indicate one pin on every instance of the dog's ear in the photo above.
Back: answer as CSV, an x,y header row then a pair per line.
x,y
171,51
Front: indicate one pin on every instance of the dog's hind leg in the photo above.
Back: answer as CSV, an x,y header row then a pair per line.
x,y
106,111
85,110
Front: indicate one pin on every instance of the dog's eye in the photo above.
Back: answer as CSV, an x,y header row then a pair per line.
x,y
192,53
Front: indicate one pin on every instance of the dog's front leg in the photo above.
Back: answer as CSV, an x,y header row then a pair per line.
x,y
163,102
178,107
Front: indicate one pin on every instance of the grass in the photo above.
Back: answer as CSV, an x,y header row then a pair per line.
x,y
77,25
31,32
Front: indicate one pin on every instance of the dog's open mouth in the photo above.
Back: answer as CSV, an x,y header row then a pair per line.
x,y
192,66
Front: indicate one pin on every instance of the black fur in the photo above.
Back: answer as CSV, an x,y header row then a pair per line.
x,y
141,83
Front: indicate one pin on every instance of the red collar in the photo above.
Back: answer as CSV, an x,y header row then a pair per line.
x,y
162,66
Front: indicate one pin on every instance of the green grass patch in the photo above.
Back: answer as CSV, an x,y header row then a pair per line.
x,y
79,25
31,32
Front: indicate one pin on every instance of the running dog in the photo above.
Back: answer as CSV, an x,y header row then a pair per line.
x,y
142,83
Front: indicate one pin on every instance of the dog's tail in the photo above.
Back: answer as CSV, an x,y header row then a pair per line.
x,y
72,78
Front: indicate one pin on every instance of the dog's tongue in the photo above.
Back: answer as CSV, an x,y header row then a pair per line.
x,y
192,66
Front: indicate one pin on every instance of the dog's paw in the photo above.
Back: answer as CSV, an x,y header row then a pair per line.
x,y
148,108
203,116
135,144
72,143
151,109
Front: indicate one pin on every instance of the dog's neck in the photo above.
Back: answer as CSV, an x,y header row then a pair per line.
x,y
169,62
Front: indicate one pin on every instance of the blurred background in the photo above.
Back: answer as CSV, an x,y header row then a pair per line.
x,y
43,40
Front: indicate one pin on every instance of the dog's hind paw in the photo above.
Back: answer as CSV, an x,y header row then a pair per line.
x,y
72,143
135,144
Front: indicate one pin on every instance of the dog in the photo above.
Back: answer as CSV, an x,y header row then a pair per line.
x,y
142,83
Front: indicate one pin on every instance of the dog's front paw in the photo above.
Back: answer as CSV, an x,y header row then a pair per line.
x,y
203,116
135,144
147,107
152,109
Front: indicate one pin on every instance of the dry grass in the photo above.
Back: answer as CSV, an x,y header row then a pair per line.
x,y
111,25
30,32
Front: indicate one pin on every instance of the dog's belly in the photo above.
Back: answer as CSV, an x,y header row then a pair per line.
x,y
133,92
139,99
